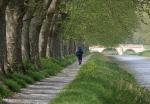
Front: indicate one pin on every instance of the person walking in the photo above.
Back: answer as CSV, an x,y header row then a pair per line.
x,y
79,54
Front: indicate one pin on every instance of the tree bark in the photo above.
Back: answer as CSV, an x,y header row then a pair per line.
x,y
56,38
14,16
56,47
34,32
65,48
50,39
45,31
3,4
72,47
25,34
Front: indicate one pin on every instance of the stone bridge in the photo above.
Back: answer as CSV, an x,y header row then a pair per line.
x,y
120,49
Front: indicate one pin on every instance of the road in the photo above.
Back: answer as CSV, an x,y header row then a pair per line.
x,y
138,66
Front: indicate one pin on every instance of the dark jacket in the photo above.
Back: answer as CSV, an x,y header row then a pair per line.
x,y
79,52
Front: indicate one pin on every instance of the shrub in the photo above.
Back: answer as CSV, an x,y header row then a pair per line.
x,y
28,65
20,81
51,67
4,92
26,78
35,75
12,85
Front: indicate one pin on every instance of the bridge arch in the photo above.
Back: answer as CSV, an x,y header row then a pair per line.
x,y
129,52
110,51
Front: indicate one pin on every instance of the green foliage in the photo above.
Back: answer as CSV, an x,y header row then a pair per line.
x,y
26,78
28,65
67,60
4,92
20,82
105,22
51,66
145,53
103,82
12,85
35,75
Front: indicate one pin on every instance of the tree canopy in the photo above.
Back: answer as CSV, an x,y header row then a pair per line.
x,y
105,22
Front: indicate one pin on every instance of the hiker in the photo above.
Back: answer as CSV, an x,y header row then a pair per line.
x,y
79,54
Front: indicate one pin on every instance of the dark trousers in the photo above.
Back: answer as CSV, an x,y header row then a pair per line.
x,y
80,59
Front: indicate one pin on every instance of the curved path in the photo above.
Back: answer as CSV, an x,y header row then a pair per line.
x,y
47,89
138,66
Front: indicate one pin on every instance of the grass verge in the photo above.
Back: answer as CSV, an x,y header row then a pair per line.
x,y
102,82
145,53
15,81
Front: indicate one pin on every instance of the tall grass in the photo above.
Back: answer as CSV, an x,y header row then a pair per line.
x,y
103,82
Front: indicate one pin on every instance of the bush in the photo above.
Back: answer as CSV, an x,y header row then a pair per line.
x,y
12,85
35,75
28,66
20,81
4,92
67,60
26,78
50,66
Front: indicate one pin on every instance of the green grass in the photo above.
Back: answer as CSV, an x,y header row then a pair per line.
x,y
145,53
12,85
4,92
26,78
15,81
103,82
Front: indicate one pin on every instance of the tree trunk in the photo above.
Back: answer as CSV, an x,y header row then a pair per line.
x,y
50,39
71,47
34,32
45,31
2,35
14,16
56,44
35,28
65,48
56,38
25,34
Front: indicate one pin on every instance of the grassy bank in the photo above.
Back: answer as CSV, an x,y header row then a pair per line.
x,y
145,53
103,82
13,82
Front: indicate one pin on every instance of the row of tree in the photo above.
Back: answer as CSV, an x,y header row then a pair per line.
x,y
30,30
35,29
